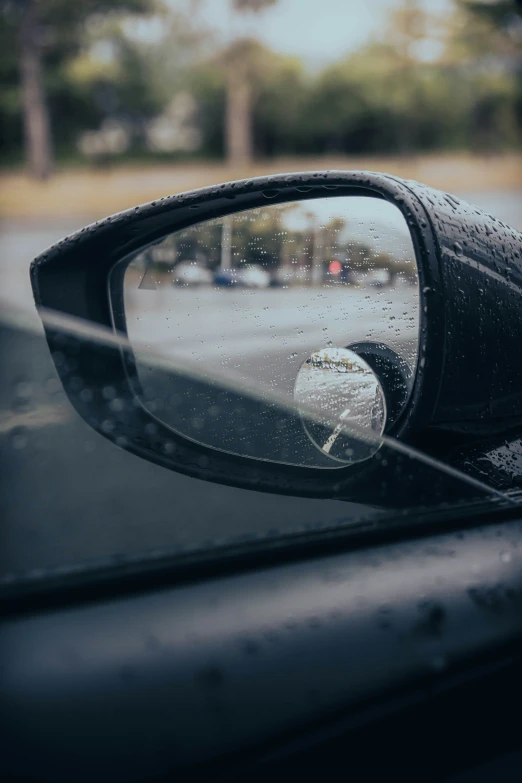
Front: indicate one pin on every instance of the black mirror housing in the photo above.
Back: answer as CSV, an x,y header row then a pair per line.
x,y
467,388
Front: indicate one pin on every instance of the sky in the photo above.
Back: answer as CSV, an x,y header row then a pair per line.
x,y
317,31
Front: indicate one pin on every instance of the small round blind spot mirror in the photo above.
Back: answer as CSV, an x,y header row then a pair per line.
x,y
339,396
246,309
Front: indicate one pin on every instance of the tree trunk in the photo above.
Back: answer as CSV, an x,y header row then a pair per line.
x,y
239,143
37,131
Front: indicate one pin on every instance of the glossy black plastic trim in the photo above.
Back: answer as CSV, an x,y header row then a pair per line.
x,y
72,278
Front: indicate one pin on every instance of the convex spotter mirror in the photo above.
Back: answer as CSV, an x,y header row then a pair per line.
x,y
274,333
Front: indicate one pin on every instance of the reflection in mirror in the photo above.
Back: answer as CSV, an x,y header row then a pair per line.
x,y
265,295
338,383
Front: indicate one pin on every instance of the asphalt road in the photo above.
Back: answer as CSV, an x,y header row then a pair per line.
x,y
68,495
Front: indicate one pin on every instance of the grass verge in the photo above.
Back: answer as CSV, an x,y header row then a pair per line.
x,y
94,193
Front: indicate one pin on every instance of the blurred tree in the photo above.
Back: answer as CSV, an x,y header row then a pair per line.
x,y
36,117
502,13
142,78
280,87
432,82
485,48
408,28
45,33
10,128
429,81
370,103
486,30
413,37
207,82
281,100
243,60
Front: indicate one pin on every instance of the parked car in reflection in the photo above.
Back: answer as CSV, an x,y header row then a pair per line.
x,y
375,278
190,273
379,278
254,276
251,276
286,276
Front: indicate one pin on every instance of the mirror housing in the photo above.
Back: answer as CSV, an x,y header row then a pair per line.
x,y
466,396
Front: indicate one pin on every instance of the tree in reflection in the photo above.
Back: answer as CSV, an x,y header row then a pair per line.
x,y
289,241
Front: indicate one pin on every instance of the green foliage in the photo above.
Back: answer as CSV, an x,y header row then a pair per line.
x,y
279,113
64,31
207,84
385,98
501,13
375,102
486,39
10,121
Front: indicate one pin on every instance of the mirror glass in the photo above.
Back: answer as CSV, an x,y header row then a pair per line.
x,y
347,398
271,300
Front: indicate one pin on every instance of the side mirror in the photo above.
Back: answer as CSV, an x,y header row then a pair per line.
x,y
276,333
